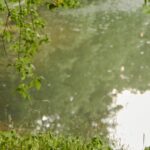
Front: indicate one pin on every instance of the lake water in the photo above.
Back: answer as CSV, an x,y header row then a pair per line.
x,y
97,75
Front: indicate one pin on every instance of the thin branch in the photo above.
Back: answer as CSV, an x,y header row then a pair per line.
x,y
5,26
20,19
3,40
6,3
32,20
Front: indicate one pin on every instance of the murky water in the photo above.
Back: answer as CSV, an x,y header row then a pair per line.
x,y
97,75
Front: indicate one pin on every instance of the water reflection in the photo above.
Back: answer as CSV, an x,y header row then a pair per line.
x,y
133,123
94,54
48,122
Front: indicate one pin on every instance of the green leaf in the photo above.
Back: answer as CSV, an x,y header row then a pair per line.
x,y
1,7
38,84
7,36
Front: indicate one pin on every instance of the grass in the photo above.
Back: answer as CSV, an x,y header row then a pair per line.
x,y
11,140
48,141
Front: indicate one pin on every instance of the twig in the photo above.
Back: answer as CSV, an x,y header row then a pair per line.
x,y
6,3
3,40
20,19
5,26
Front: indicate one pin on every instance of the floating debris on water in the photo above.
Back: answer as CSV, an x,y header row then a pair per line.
x,y
122,69
141,34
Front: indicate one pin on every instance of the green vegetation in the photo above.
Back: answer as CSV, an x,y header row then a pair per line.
x,y
62,3
147,6
24,43
47,141
21,33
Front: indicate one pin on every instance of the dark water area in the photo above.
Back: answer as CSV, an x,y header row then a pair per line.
x,y
97,75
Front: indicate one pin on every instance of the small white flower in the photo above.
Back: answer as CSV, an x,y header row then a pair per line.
x,y
94,124
114,91
122,68
71,98
141,34
47,125
58,125
44,118
39,122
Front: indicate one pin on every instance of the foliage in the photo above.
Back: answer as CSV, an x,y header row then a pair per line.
x,y
47,141
147,6
21,33
62,3
25,41
146,2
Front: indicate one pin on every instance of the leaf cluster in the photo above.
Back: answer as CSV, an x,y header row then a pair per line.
x,y
146,6
21,32
48,141
24,41
62,3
